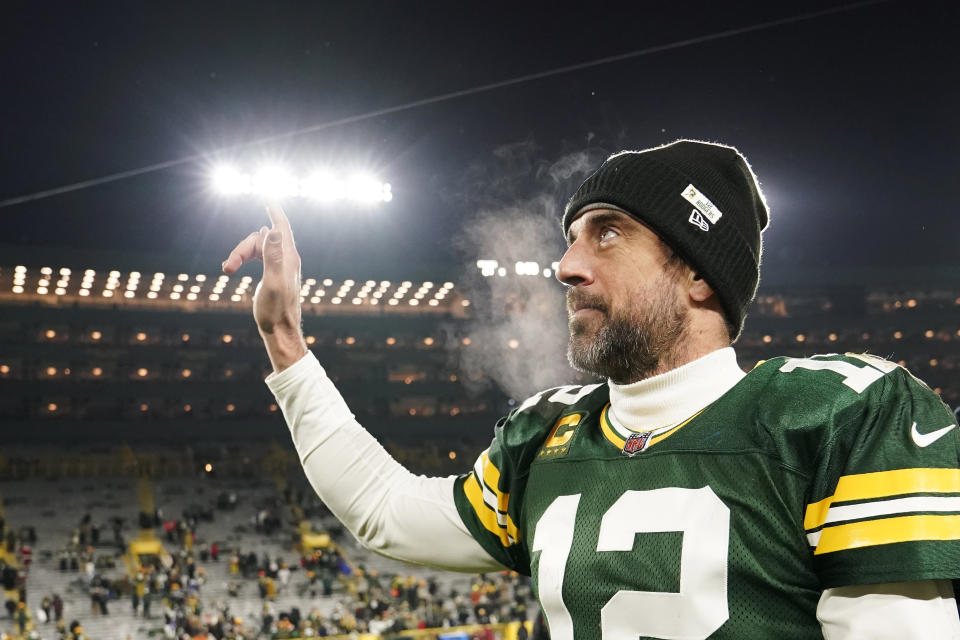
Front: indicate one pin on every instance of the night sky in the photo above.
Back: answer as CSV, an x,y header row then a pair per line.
x,y
850,119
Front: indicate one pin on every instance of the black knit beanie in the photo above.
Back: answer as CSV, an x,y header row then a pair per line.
x,y
702,199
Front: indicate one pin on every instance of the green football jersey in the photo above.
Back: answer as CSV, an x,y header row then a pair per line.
x,y
808,474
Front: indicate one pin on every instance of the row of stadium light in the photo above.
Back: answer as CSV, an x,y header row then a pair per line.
x,y
929,334
52,371
142,336
140,373
191,288
373,293
53,407
278,182
909,303
766,338
490,268
143,373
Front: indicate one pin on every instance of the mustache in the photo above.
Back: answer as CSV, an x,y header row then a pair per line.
x,y
579,299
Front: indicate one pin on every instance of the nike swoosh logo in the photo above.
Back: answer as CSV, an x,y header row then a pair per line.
x,y
926,439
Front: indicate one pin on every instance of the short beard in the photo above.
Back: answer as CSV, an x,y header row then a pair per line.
x,y
628,347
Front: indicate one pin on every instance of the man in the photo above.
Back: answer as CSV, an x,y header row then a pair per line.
x,y
681,499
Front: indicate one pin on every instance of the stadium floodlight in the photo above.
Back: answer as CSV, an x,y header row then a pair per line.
x,y
320,185
275,182
230,181
366,189
323,186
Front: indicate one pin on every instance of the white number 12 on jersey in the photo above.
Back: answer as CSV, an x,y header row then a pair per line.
x,y
694,613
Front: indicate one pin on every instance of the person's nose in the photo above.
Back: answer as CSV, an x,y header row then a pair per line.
x,y
576,265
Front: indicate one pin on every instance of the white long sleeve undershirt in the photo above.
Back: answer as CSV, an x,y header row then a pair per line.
x,y
389,509
414,518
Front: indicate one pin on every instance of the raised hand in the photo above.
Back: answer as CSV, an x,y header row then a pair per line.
x,y
276,301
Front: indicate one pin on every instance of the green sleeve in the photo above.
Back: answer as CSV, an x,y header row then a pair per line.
x,y
884,498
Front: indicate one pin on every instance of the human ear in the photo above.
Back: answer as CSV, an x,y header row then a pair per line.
x,y
698,287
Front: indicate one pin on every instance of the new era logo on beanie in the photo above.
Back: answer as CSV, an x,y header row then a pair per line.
x,y
697,218
658,186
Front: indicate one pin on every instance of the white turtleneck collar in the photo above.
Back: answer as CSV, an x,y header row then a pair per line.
x,y
669,398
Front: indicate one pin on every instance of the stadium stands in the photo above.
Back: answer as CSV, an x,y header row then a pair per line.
x,y
236,562
98,391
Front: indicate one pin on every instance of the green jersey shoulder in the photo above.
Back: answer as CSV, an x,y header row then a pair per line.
x,y
490,497
879,451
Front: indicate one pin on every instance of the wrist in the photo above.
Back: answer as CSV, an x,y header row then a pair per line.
x,y
284,348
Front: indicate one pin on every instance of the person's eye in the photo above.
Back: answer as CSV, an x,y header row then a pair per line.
x,y
607,234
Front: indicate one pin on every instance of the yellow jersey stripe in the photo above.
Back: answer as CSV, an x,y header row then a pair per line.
x,y
887,531
608,431
616,440
667,434
491,475
491,479
486,515
881,484
486,476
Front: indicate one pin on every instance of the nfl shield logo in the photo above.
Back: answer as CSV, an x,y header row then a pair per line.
x,y
636,443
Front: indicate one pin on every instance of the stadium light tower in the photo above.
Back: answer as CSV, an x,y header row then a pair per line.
x,y
277,182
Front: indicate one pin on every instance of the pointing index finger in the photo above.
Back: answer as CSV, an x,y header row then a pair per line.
x,y
279,218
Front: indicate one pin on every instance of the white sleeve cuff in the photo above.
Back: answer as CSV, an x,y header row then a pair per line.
x,y
918,610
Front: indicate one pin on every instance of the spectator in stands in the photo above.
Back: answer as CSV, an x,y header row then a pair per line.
x,y
84,529
26,555
147,599
139,588
267,618
22,617
98,596
283,575
57,607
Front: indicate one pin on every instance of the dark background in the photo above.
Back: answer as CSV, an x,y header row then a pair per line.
x,y
849,119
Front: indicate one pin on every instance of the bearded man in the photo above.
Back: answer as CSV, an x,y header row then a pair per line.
x,y
810,498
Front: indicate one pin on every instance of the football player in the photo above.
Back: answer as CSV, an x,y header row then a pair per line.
x,y
812,497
